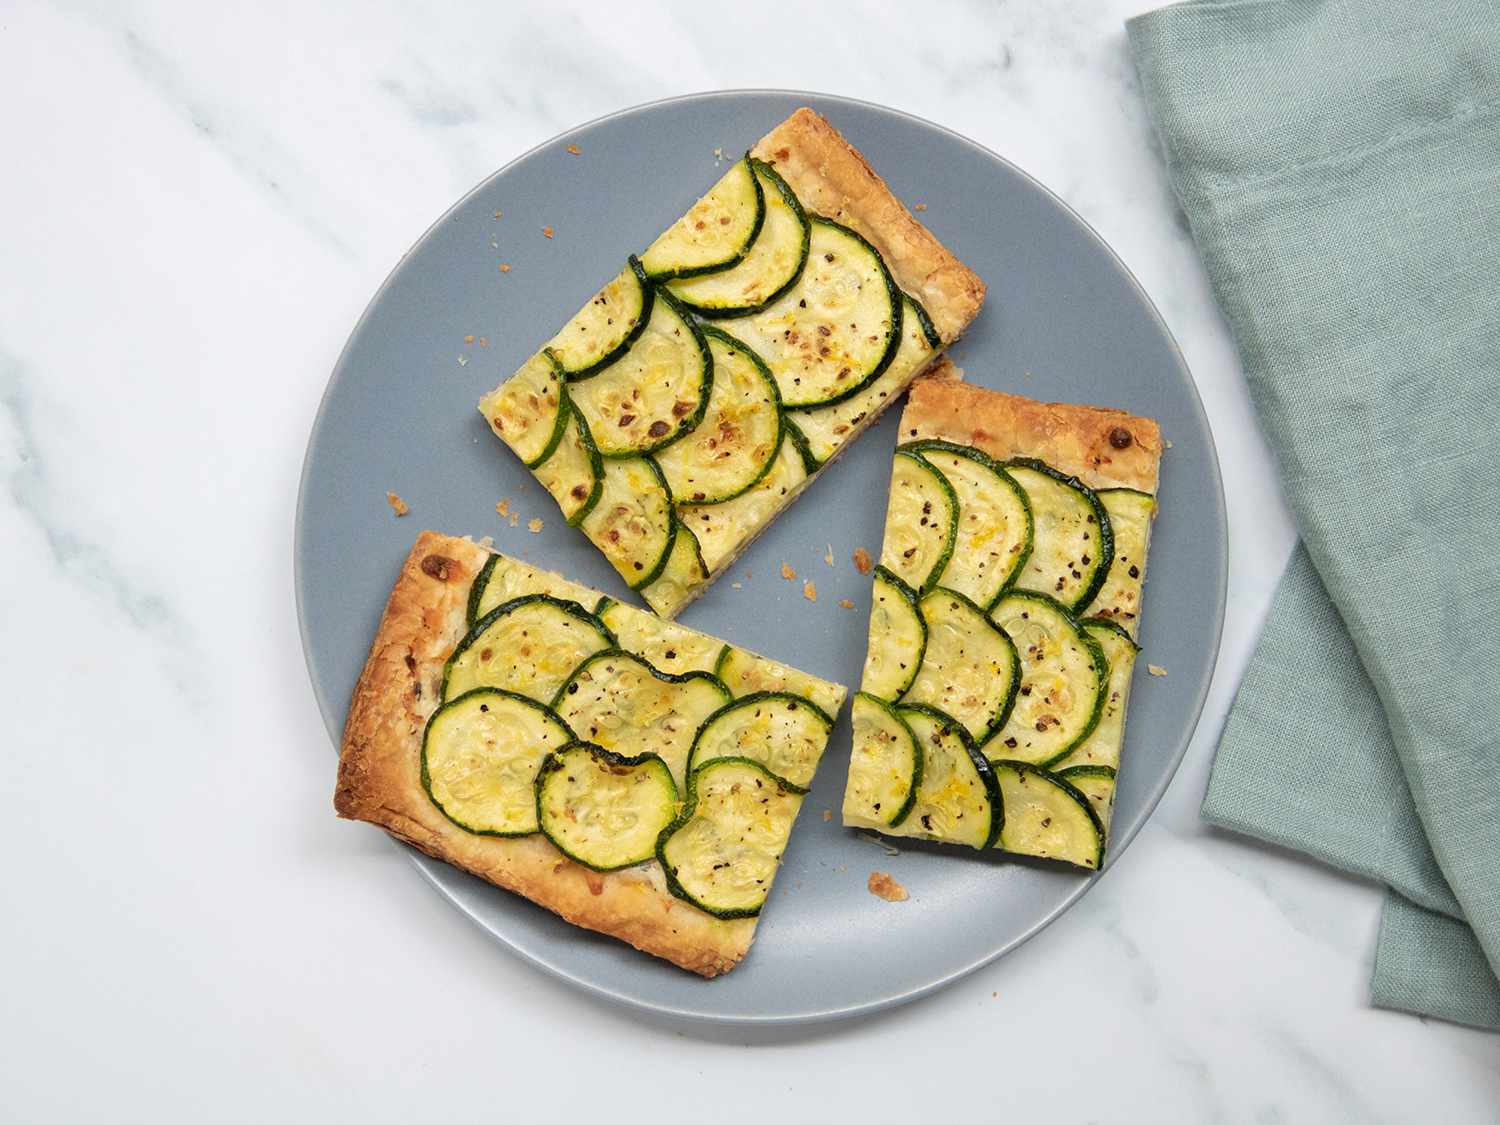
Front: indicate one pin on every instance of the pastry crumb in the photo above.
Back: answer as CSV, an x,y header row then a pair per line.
x,y
503,507
505,267
484,341
828,555
463,361
718,154
810,590
535,525
845,603
786,572
1156,669
515,519
573,150
919,207
397,504
547,231
737,585
884,845
883,886
497,214
862,561
827,815
469,339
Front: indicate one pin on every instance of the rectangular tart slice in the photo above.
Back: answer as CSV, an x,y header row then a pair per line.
x,y
634,776
1003,621
707,383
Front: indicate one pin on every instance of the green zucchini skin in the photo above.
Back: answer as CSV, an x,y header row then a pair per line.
x,y
978,456
1101,520
553,762
426,777
689,808
1114,627
715,267
648,296
981,765
928,330
1087,771
799,440
476,589
477,629
786,193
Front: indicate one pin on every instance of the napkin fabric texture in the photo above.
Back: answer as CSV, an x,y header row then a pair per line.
x,y
1339,162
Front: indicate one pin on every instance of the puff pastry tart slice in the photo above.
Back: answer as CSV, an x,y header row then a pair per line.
x,y
636,777
706,384
1003,621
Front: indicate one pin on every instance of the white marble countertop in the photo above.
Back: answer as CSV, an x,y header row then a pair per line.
x,y
198,203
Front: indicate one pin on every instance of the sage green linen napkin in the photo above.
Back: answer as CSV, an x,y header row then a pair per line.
x,y
1339,163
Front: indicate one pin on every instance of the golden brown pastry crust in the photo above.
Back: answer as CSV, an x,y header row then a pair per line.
x,y
379,780
834,180
1102,447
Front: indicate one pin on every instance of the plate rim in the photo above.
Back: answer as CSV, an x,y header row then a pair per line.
x,y
425,865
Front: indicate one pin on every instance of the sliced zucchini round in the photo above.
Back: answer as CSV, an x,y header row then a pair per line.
x,y
669,647
573,473
785,733
885,764
604,329
525,411
834,332
1072,543
768,270
1119,598
633,523
617,700
1064,681
529,645
721,854
480,756
601,809
502,580
921,522
830,428
1102,746
681,579
747,673
654,393
1047,817
723,529
970,670
994,521
740,433
898,637
717,231
1097,783
956,800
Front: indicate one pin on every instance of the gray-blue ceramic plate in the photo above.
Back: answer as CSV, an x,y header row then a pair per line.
x,y
1064,320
